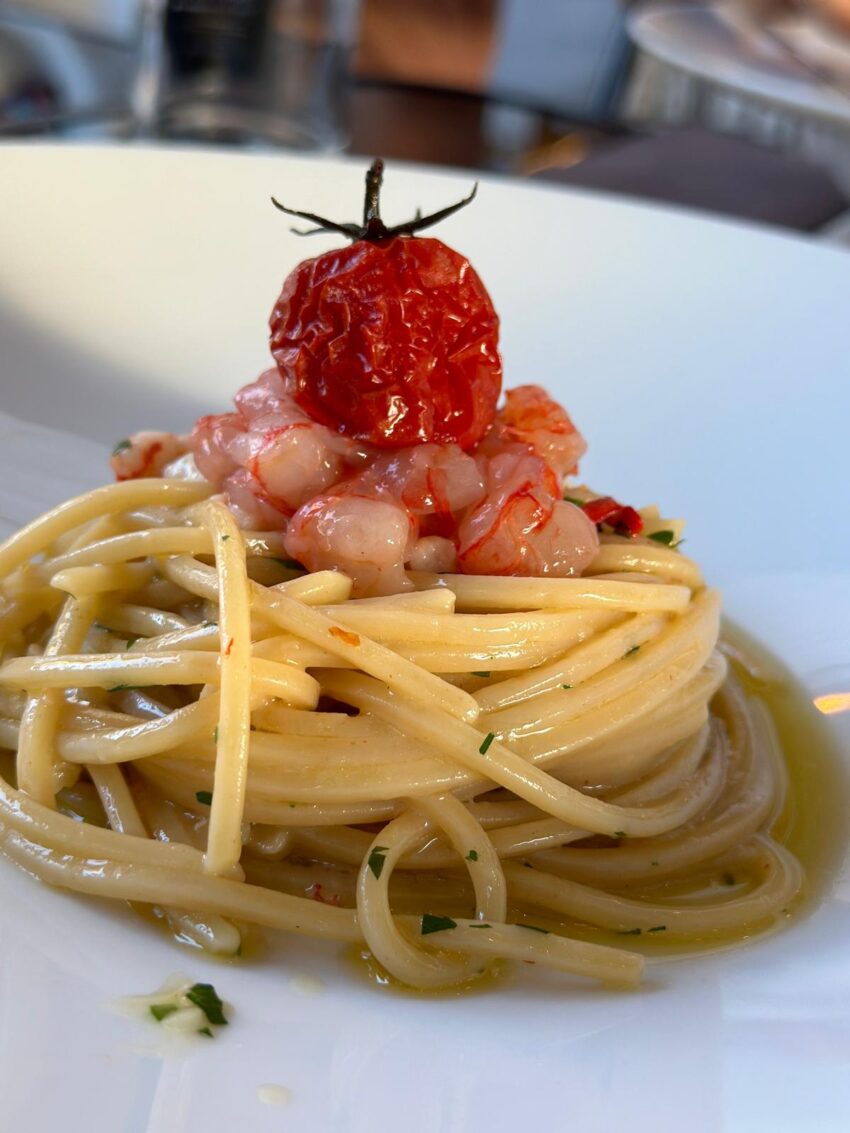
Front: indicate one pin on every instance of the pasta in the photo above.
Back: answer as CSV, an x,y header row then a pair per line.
x,y
543,769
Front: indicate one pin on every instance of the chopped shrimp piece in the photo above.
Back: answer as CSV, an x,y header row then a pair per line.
x,y
523,527
531,417
433,554
366,538
271,449
146,454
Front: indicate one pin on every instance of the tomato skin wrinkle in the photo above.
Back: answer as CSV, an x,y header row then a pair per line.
x,y
393,342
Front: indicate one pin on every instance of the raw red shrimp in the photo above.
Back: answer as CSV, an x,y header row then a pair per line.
x,y
531,417
367,538
523,527
146,454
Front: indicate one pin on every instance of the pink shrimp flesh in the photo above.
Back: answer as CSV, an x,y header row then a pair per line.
x,y
146,454
531,417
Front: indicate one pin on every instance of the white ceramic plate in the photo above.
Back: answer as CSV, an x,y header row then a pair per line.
x,y
708,365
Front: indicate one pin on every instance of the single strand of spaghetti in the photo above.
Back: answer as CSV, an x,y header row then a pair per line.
x,y
198,892
399,625
612,558
613,966
475,850
36,745
461,743
412,965
131,545
582,661
135,620
39,534
111,670
224,838
92,580
476,592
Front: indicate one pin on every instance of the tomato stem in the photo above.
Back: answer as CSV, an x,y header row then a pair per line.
x,y
373,228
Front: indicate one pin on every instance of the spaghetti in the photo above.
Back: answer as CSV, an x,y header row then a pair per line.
x,y
477,768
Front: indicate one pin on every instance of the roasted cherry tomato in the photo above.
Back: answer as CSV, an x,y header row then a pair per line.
x,y
393,340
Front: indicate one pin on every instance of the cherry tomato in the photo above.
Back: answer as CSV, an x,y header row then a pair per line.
x,y
392,340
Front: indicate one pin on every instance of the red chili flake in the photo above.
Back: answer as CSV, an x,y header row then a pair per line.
x,y
228,647
315,891
345,635
624,520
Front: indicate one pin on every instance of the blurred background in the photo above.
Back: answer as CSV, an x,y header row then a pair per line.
x,y
736,107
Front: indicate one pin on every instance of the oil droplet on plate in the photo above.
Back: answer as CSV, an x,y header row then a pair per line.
x,y
271,1094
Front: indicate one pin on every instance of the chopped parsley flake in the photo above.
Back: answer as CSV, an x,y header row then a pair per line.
x,y
566,686
480,924
472,856
224,538
574,500
204,797
728,879
161,1011
658,928
628,932
376,860
633,649
619,833
536,928
289,564
430,924
485,673
665,537
206,997
132,640
206,1031
122,688
485,743
122,446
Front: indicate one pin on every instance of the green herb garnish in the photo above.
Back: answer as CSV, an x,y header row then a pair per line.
x,y
728,879
536,928
132,640
161,1011
575,500
430,924
122,446
566,686
472,856
628,932
376,860
484,674
658,928
665,537
619,833
224,538
479,924
122,688
485,743
206,1031
204,797
633,649
206,997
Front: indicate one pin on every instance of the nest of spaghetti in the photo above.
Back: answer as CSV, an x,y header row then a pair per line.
x,y
555,770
